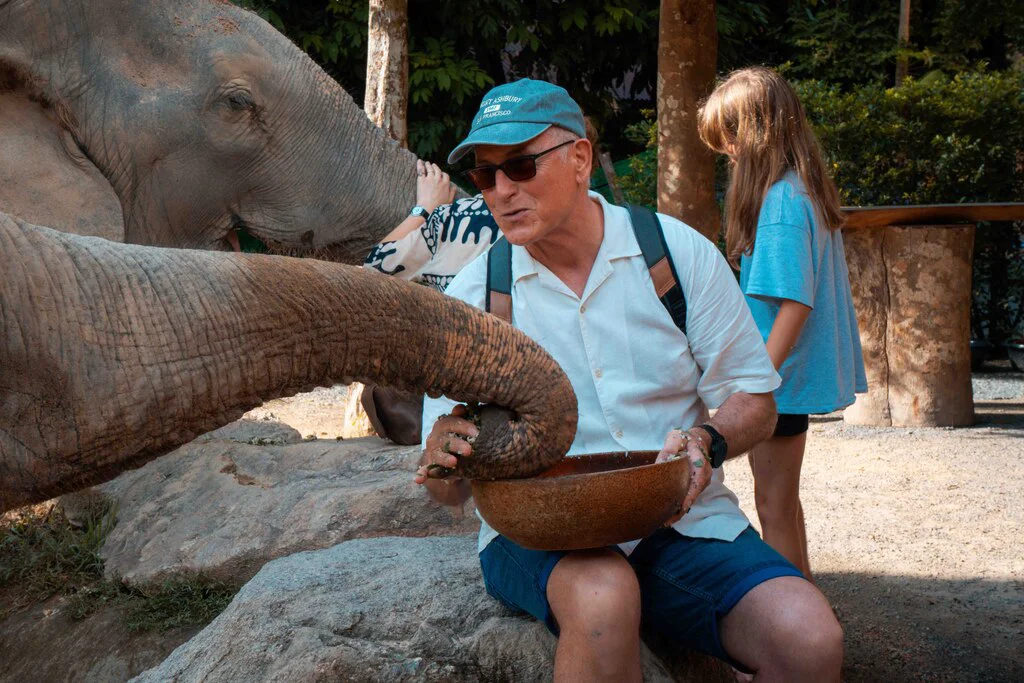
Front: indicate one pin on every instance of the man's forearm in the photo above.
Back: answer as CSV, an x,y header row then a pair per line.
x,y
745,420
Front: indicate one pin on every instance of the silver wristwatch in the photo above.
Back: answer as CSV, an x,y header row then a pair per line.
x,y
419,212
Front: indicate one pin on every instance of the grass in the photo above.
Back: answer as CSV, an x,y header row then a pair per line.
x,y
182,601
42,554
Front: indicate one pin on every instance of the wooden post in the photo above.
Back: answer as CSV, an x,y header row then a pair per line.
x,y
387,68
687,53
912,291
613,180
356,423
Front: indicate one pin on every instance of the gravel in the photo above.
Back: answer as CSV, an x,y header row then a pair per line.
x,y
997,382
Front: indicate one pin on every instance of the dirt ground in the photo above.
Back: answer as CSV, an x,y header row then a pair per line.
x,y
915,537
914,534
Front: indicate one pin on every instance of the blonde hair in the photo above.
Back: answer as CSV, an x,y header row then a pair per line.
x,y
755,117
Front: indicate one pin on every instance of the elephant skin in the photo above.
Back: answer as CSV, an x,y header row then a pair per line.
x,y
200,118
385,609
114,354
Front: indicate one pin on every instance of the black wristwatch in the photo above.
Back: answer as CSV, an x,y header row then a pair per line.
x,y
719,447
419,212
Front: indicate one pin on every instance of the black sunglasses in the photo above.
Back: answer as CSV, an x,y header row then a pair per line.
x,y
517,168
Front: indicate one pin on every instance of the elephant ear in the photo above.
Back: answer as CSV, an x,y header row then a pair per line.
x,y
44,177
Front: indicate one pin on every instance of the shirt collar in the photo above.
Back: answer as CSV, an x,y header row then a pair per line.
x,y
619,241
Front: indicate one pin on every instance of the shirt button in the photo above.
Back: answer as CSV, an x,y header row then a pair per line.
x,y
618,434
598,373
583,308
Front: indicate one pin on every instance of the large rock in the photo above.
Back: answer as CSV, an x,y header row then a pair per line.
x,y
232,500
386,609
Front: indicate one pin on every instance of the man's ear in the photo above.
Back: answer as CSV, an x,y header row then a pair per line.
x,y
583,153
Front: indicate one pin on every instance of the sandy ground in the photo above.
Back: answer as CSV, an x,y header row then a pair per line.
x,y
915,537
319,413
914,534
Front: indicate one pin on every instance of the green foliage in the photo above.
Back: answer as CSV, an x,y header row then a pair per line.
x,y
332,32
962,33
937,140
640,185
835,41
934,141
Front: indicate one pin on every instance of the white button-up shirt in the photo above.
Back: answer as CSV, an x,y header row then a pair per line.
x,y
635,374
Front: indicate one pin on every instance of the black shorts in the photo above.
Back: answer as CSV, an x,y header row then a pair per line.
x,y
790,425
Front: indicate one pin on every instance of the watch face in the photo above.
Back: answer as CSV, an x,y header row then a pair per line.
x,y
419,212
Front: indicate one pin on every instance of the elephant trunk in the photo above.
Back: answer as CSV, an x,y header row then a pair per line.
x,y
114,354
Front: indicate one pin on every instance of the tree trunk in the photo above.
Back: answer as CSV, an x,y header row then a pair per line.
x,y
912,291
387,68
687,52
902,42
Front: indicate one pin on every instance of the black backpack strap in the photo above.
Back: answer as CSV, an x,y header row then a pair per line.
x,y
499,280
651,239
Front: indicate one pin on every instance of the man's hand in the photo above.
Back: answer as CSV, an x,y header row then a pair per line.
x,y
688,445
444,443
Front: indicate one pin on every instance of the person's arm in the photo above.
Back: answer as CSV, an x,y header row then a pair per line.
x,y
433,188
744,420
786,329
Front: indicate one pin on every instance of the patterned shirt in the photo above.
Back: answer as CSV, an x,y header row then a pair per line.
x,y
453,235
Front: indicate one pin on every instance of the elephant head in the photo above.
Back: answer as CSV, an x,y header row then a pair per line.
x,y
204,121
113,354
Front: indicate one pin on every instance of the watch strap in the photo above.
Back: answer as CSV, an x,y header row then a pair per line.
x,y
719,447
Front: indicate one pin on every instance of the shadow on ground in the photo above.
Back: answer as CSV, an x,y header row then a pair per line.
x,y
901,628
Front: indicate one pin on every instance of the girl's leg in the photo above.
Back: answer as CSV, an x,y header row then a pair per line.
x,y
776,464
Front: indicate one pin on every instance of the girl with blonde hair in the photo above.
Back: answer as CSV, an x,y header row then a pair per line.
x,y
782,231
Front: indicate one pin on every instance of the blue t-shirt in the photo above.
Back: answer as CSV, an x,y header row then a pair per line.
x,y
795,258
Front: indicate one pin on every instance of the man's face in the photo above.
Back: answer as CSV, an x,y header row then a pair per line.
x,y
528,210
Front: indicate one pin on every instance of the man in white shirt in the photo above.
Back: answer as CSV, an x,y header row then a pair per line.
x,y
582,290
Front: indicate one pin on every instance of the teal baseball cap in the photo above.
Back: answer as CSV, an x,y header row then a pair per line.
x,y
513,113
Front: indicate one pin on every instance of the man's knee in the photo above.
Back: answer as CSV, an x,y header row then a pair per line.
x,y
786,626
808,639
812,639
595,591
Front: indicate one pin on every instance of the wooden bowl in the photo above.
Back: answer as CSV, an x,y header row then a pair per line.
x,y
587,501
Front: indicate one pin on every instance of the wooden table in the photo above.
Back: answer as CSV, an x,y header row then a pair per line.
x,y
910,273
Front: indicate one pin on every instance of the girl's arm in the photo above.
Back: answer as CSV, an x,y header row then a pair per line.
x,y
786,330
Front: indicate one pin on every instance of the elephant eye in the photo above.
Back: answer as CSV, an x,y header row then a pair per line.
x,y
240,100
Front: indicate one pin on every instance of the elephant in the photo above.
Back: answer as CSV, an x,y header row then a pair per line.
x,y
112,354
183,123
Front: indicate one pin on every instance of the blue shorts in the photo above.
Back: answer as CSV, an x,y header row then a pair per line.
x,y
686,584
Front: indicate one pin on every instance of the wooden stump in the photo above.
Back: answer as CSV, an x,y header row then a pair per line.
x,y
912,291
357,424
